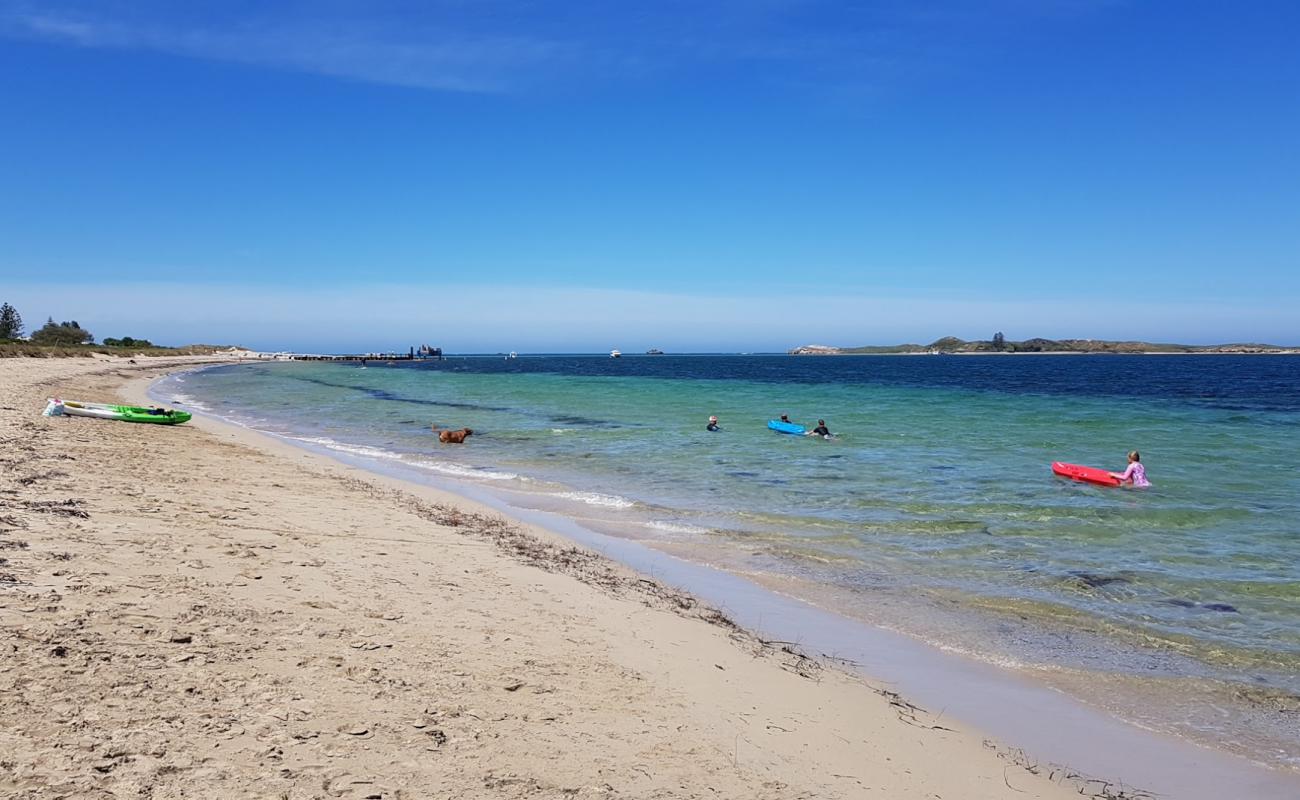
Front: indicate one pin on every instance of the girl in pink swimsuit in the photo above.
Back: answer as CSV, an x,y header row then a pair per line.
x,y
1136,474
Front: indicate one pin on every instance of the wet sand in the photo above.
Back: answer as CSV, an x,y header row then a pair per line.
x,y
200,611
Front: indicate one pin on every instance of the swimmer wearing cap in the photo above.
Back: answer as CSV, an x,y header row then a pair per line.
x,y
713,424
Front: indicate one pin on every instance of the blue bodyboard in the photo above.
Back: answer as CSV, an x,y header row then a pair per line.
x,y
786,427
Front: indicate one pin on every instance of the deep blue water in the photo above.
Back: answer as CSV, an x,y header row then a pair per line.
x,y
1231,382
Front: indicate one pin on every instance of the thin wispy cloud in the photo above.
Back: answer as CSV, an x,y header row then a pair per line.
x,y
436,57
510,45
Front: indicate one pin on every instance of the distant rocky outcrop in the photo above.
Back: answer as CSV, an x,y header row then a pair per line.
x,y
816,350
952,344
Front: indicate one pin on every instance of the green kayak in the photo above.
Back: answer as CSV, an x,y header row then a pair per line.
x,y
154,416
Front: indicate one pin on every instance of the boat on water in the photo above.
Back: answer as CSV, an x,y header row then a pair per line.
x,y
154,416
513,354
615,354
654,351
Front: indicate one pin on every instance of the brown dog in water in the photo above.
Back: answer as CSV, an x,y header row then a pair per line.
x,y
453,437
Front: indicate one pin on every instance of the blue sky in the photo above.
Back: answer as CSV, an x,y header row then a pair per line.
x,y
508,175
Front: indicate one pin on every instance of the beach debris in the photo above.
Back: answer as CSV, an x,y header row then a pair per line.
x,y
28,480
1093,788
798,662
272,753
64,508
514,687
906,711
439,738
347,783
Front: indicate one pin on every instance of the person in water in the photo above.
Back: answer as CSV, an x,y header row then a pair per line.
x,y
820,430
713,424
786,418
1135,474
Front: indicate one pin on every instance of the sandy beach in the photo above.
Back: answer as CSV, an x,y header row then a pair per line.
x,y
201,611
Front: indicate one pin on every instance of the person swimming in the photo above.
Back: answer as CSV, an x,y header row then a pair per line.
x,y
1135,473
713,425
820,430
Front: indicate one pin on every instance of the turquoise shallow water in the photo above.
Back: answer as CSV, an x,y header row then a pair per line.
x,y
936,493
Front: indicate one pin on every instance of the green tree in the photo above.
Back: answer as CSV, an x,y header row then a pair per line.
x,y
999,341
64,333
127,341
11,322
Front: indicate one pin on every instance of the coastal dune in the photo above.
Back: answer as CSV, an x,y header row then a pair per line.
x,y
200,611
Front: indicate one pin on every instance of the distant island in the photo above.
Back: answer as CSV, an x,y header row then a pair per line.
x,y
951,345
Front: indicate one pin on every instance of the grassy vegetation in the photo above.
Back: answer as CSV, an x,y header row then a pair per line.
x,y
19,349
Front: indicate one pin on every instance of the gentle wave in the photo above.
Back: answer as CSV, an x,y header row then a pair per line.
x,y
598,499
186,400
676,527
444,467
466,471
357,450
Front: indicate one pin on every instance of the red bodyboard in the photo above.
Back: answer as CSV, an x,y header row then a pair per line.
x,y
1076,472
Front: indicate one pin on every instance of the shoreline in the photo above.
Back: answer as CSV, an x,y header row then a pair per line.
x,y
245,569
239,621
953,682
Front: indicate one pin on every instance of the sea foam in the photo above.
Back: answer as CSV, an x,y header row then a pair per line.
x,y
598,499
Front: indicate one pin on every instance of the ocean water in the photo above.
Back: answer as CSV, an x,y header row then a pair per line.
x,y
932,512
